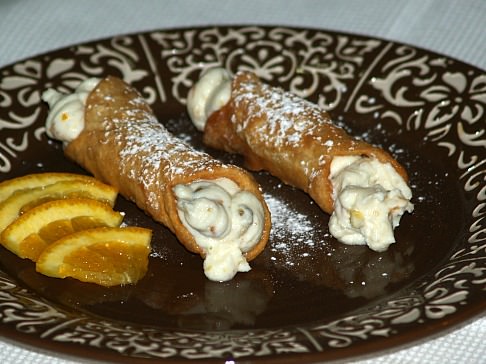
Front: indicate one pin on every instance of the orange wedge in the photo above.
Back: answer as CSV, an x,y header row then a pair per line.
x,y
105,256
40,226
37,180
23,200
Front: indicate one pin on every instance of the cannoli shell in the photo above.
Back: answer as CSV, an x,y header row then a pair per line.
x,y
292,138
124,145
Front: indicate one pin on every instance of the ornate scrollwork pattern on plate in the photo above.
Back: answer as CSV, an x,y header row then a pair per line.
x,y
150,343
23,83
21,308
119,53
431,95
127,57
305,62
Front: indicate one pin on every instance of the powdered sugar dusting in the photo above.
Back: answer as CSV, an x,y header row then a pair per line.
x,y
288,224
148,150
293,235
289,119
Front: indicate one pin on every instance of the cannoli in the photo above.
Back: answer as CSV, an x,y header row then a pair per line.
x,y
362,186
214,209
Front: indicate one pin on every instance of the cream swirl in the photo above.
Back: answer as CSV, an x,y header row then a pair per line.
x,y
66,116
210,93
224,220
370,198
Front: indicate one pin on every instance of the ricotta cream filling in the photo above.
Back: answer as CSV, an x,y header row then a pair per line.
x,y
210,93
65,120
224,220
370,198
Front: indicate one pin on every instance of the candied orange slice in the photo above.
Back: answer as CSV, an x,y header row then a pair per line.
x,y
105,256
8,187
40,226
23,200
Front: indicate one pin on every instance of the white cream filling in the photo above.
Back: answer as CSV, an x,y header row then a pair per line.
x,y
210,93
225,221
65,120
370,198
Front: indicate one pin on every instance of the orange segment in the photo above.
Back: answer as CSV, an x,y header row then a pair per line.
x,y
40,226
105,256
37,180
24,199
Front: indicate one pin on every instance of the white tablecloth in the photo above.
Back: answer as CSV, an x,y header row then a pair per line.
x,y
456,28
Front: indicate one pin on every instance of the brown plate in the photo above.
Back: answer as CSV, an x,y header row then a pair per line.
x,y
308,297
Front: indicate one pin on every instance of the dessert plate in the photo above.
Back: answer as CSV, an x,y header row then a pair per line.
x,y
308,298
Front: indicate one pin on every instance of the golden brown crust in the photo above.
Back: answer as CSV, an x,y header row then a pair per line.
x,y
290,137
125,146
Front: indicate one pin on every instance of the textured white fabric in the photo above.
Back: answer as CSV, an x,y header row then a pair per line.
x,y
456,28
452,27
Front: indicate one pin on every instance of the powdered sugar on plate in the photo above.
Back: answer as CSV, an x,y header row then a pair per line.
x,y
288,224
294,237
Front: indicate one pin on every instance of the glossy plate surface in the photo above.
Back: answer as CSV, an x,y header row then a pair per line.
x,y
307,297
